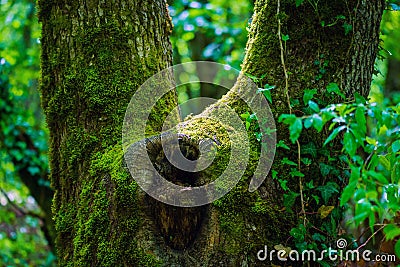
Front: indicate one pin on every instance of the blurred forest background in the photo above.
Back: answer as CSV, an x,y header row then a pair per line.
x,y
213,30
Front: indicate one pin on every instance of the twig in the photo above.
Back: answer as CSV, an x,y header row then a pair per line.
x,y
19,209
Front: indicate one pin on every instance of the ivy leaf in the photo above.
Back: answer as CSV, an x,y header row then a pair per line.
x,y
324,211
282,144
296,173
289,199
298,233
328,190
283,184
310,149
288,162
274,174
347,28
325,169
285,37
308,95
33,170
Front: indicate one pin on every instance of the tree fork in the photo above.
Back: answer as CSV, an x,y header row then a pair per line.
x,y
101,216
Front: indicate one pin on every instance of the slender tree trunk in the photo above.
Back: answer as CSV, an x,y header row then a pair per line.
x,y
94,57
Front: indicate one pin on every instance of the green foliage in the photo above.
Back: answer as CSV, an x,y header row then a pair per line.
x,y
216,28
23,145
212,30
369,134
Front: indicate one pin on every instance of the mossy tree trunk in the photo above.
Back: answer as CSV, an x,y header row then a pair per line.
x,y
97,53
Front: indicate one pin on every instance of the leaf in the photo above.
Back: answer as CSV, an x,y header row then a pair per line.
x,y
334,133
349,143
267,95
396,146
266,91
317,122
334,88
318,237
299,2
308,122
347,193
280,247
287,118
306,161
395,173
370,140
328,190
283,184
298,233
397,246
288,162
289,199
361,121
282,144
308,95
33,170
325,169
295,130
347,28
310,149
285,37
391,231
245,115
274,173
359,98
379,177
394,6
296,173
324,211
253,117
313,106
316,198
384,161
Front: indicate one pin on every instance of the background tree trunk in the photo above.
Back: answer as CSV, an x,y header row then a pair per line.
x,y
94,57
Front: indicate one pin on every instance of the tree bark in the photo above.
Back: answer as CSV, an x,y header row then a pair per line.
x,y
95,54
94,57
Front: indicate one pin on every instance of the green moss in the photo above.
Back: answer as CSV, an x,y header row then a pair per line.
x,y
87,82
109,197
